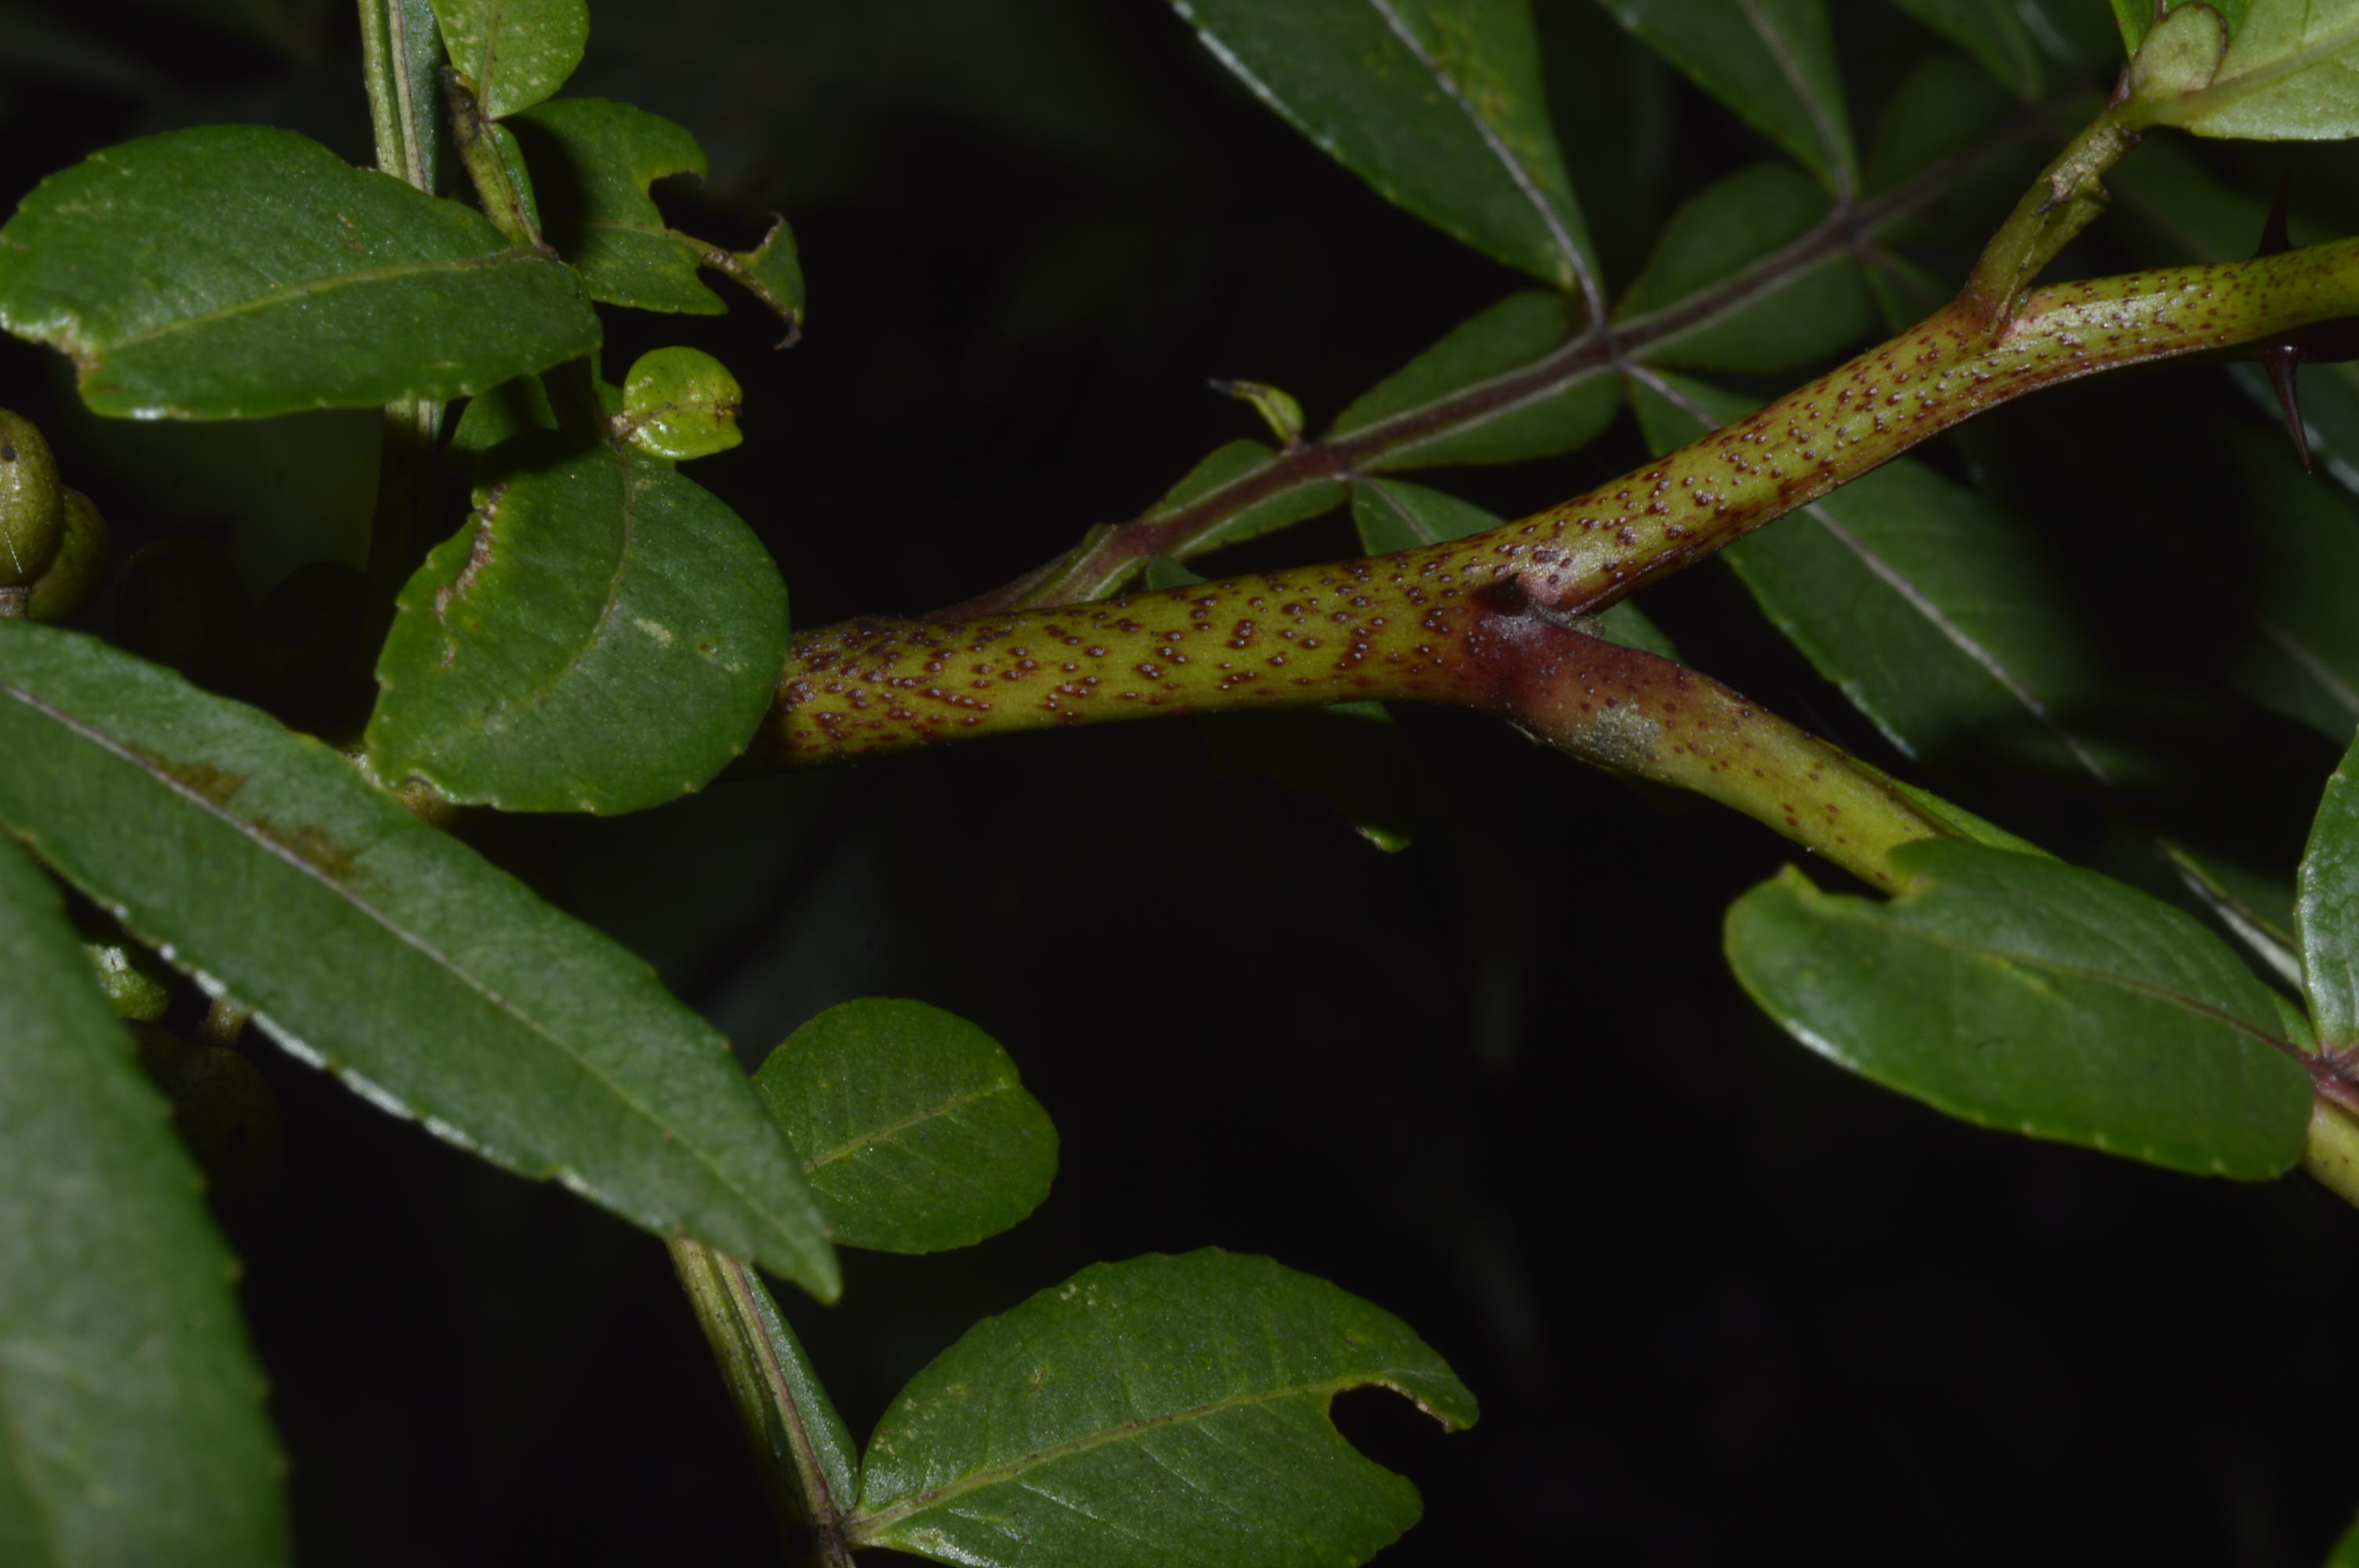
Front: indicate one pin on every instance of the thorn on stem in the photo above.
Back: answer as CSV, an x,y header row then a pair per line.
x,y
2281,358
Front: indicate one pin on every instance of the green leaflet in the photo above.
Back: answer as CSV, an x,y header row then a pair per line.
x,y
2288,75
594,162
2027,995
1533,413
369,943
1808,310
1772,62
2326,910
132,1405
235,271
1436,103
516,52
1161,1410
1991,31
1236,464
602,636
1944,108
916,1133
1920,599
2135,17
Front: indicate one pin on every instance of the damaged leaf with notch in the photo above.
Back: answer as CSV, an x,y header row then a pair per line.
x,y
603,636
1161,1410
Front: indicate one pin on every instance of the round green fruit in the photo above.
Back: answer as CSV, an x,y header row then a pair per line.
x,y
78,566
32,502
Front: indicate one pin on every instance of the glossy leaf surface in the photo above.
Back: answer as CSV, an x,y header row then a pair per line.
x,y
1501,351
1919,599
235,271
1161,1410
592,163
435,985
131,1404
1436,103
602,636
681,403
2030,996
516,52
1772,62
2291,72
915,1131
2327,910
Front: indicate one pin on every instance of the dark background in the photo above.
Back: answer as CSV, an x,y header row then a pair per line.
x,y
1720,1300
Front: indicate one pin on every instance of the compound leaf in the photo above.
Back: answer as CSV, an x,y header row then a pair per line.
x,y
1532,409
1436,103
1990,31
132,1404
2023,994
916,1133
235,271
1161,1410
602,636
1804,312
435,985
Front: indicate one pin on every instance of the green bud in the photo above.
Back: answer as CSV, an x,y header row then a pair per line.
x,y
681,403
134,979
78,566
32,502
2180,54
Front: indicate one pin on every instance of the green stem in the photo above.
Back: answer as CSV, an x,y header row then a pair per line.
x,y
803,1453
478,141
1109,557
2065,198
396,35
1493,622
2331,1153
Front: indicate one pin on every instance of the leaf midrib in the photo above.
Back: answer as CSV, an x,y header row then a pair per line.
x,y
860,1141
2058,966
297,292
865,1528
2223,94
500,1005
543,689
